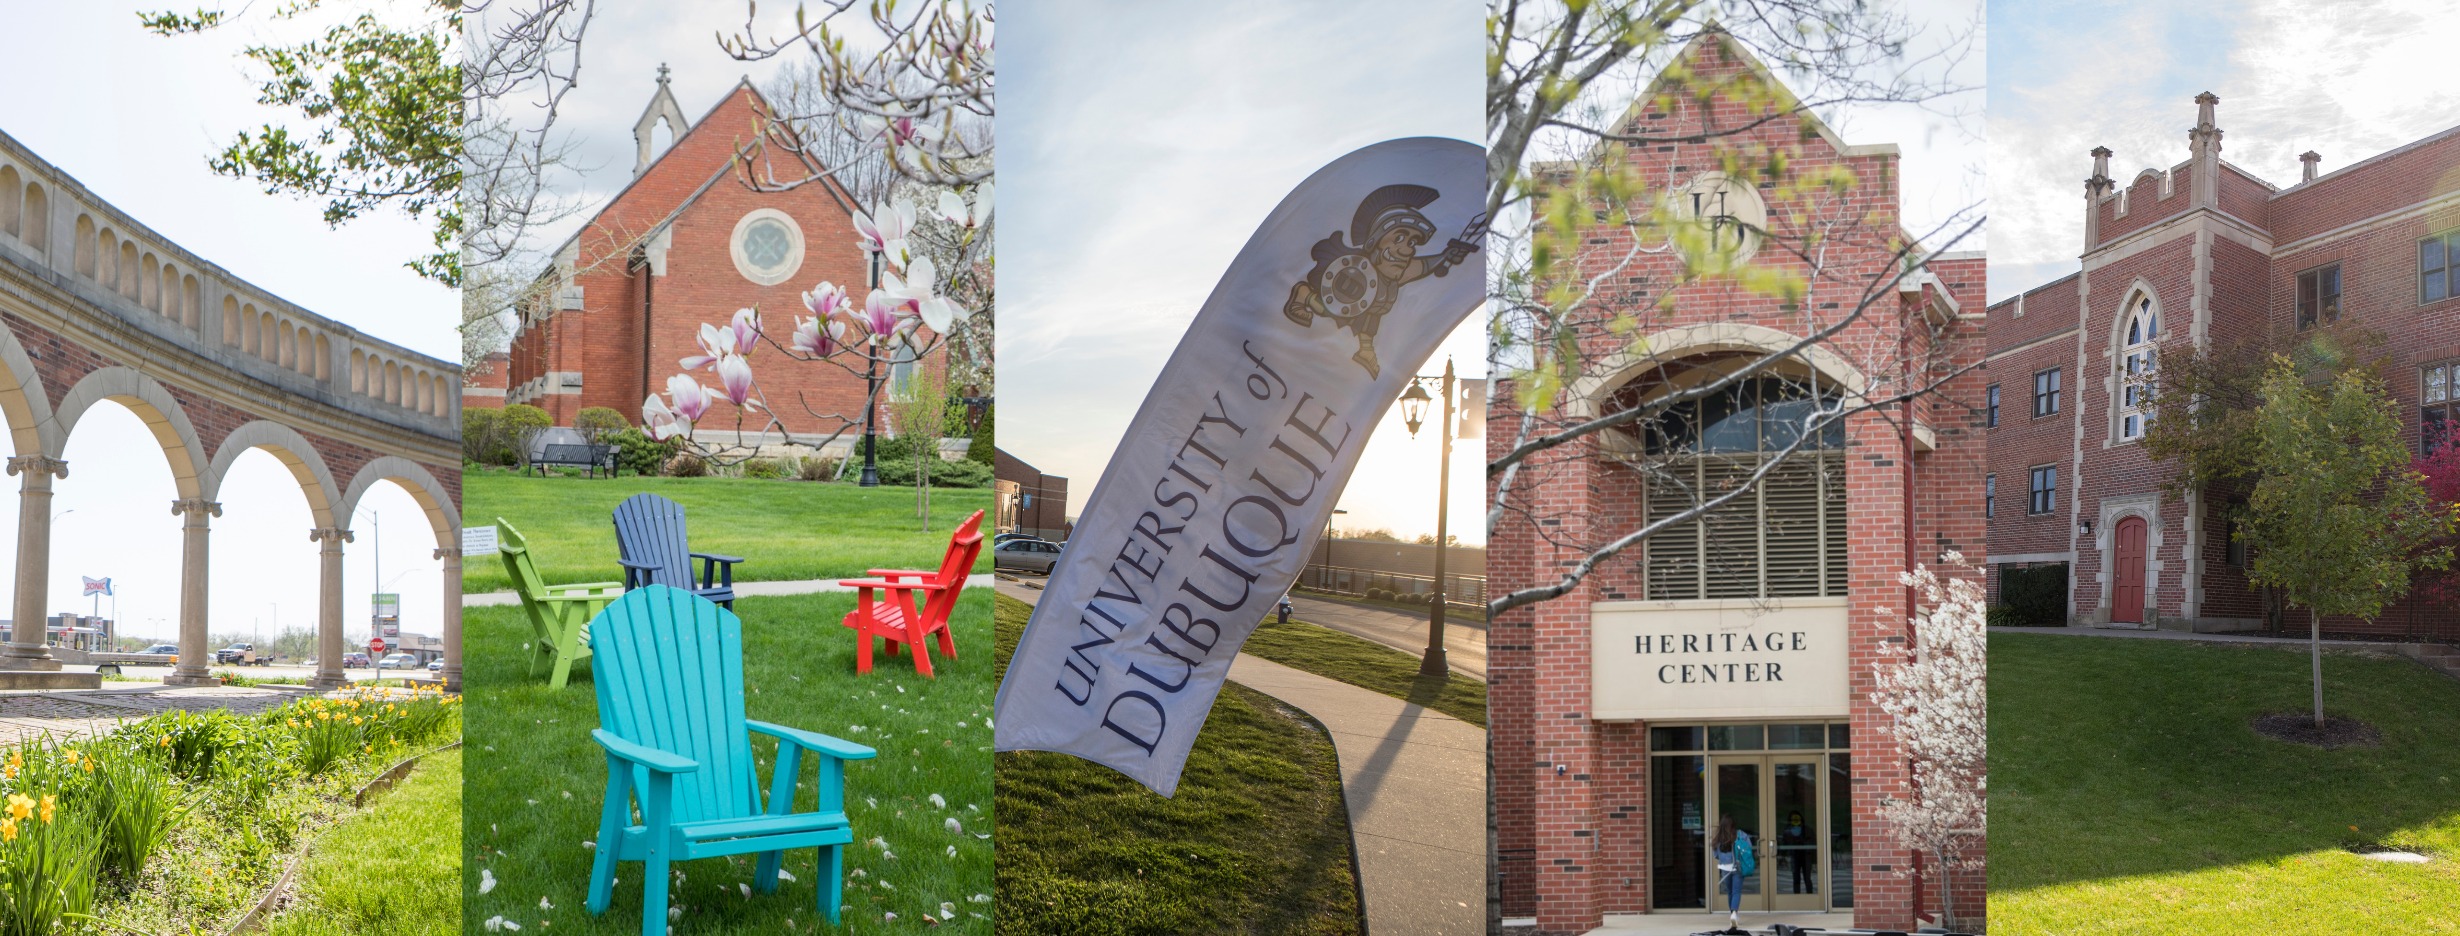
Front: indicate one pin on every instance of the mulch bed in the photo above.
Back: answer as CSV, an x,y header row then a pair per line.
x,y
2299,728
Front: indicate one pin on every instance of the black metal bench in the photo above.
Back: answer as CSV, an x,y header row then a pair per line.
x,y
592,457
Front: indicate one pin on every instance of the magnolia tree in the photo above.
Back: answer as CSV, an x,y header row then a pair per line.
x,y
1933,689
903,320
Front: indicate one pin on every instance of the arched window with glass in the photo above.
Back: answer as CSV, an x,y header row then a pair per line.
x,y
2139,360
1785,537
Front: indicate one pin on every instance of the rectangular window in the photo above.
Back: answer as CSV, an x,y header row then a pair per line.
x,y
1990,496
2438,267
2046,393
1783,538
1991,415
2438,422
2318,296
2045,497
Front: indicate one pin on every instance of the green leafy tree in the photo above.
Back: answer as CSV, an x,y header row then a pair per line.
x,y
922,417
596,423
380,105
2338,519
980,452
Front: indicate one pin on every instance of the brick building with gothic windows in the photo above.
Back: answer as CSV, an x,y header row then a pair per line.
x,y
1725,667
2201,255
687,242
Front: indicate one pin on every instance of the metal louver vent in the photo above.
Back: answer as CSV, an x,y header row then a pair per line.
x,y
1783,539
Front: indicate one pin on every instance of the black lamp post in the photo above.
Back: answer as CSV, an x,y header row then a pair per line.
x,y
871,410
1413,412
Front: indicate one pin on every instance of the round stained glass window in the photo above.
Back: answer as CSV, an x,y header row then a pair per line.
x,y
767,247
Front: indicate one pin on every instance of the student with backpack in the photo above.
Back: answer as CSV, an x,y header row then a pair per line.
x,y
1735,861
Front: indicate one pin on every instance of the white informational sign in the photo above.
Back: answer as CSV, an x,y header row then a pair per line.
x,y
478,541
1743,658
1206,511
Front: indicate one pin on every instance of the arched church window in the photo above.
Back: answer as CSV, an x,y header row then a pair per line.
x,y
1782,537
2139,359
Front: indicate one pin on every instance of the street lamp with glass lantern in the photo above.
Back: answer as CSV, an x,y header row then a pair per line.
x,y
1414,403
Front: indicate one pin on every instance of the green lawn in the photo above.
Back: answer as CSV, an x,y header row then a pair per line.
x,y
784,530
391,869
536,778
2129,794
1256,841
1368,665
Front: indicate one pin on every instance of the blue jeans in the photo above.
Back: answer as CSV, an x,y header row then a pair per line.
x,y
1733,891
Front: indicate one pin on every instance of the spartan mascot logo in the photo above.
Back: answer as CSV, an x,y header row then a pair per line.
x,y
1354,283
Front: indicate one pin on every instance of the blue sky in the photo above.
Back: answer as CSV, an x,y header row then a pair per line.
x,y
134,116
1141,146
2345,80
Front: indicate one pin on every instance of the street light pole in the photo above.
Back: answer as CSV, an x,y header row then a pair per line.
x,y
1413,410
871,409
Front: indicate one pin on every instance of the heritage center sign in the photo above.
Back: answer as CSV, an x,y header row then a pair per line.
x,y
1659,660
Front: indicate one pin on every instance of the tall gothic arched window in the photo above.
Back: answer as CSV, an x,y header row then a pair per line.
x,y
2139,359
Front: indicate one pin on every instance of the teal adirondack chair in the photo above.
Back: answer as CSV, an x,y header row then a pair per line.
x,y
669,671
559,614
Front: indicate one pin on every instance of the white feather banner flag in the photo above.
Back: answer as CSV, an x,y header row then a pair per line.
x,y
1205,514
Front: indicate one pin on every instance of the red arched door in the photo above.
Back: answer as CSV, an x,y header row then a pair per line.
x,y
2127,597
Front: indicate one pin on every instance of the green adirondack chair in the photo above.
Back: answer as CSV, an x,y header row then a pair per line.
x,y
559,614
669,672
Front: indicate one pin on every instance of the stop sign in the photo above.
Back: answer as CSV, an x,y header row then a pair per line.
x,y
376,645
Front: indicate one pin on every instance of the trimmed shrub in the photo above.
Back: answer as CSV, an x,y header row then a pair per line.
x,y
687,465
944,473
636,452
598,422
768,468
520,423
479,426
816,468
2033,597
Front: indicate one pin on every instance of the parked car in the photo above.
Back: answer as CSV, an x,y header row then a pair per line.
x,y
241,654
1028,555
398,661
436,665
1002,538
172,649
355,660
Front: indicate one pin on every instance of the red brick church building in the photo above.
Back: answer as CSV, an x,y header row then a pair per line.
x,y
688,242
2199,255
1725,667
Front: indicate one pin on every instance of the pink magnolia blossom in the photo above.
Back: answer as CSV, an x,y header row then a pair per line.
x,y
736,374
881,311
691,399
884,231
916,290
662,423
821,337
952,207
738,337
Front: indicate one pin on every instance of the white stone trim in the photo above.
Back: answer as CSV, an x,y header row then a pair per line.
x,y
295,452
153,404
442,514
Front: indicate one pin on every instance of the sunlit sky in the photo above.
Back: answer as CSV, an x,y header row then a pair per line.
x,y
1134,164
2346,80
133,117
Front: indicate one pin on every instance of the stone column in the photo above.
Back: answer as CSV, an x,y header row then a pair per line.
x,y
452,617
329,609
26,649
194,661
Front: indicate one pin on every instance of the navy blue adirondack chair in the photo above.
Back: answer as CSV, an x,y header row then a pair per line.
x,y
669,671
650,537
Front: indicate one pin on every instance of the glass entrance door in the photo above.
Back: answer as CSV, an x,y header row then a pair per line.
x,y
1778,800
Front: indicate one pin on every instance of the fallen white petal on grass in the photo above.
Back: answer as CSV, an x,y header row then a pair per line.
x,y
785,875
954,827
544,905
746,889
486,881
938,802
979,898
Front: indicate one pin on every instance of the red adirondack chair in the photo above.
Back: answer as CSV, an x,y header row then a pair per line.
x,y
894,614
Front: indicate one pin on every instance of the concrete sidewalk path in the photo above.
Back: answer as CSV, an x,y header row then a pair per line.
x,y
742,590
1414,780
1464,641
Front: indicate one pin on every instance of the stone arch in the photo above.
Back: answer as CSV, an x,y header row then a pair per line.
x,y
268,336
106,258
149,283
23,398
247,328
153,404
230,321
358,371
392,383
12,202
36,228
285,345
414,478
294,451
188,298
324,358
1673,344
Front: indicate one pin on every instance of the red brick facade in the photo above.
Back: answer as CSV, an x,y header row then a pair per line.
x,y
633,288
2221,262
1571,791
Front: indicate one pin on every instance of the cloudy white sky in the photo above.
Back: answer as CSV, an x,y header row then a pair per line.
x,y
2347,80
133,117
1140,147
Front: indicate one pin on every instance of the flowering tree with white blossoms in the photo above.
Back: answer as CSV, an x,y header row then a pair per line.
x,y
1934,691
903,320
